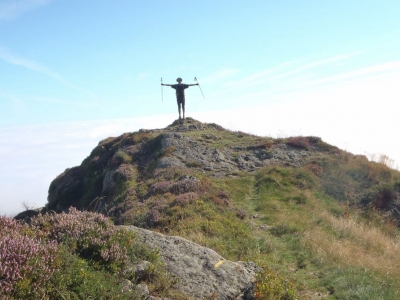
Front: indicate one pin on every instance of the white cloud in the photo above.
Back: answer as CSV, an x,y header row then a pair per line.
x,y
286,71
387,68
259,76
11,9
292,76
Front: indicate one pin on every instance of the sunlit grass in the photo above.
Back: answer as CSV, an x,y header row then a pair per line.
x,y
351,242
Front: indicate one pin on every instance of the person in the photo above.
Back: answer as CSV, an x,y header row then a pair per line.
x,y
180,94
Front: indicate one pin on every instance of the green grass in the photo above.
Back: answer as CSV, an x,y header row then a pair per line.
x,y
357,283
293,205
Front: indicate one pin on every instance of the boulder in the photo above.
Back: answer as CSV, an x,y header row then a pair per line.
x,y
201,273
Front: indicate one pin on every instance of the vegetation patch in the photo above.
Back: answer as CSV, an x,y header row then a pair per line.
x,y
271,285
75,255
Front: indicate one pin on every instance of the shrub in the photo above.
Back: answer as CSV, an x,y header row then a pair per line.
x,y
186,185
92,236
79,255
77,279
168,152
140,137
224,195
133,150
241,214
300,142
26,263
141,190
386,196
154,212
160,187
271,285
107,141
315,169
125,172
221,201
154,217
185,199
122,157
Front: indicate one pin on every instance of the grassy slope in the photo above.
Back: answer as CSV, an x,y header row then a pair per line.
x,y
328,248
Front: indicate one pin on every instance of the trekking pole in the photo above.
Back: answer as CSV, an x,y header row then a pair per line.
x,y
195,79
162,96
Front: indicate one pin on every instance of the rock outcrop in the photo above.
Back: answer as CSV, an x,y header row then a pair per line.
x,y
208,148
201,273
224,161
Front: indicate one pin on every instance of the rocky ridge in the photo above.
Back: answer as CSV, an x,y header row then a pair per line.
x,y
222,162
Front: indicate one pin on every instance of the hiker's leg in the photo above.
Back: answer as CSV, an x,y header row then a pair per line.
x,y
179,108
183,108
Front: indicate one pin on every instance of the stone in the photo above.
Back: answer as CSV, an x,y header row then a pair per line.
x,y
168,162
141,269
201,272
142,289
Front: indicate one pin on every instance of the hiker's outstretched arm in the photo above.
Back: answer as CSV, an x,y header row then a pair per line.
x,y
166,84
193,84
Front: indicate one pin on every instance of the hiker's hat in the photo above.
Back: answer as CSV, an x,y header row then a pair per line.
x,y
178,79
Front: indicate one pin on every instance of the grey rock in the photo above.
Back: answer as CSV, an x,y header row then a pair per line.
x,y
27,215
128,285
264,227
262,154
170,139
142,289
123,172
210,137
200,271
167,162
223,161
141,269
108,181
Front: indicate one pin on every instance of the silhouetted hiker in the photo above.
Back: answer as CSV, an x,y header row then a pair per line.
x,y
180,94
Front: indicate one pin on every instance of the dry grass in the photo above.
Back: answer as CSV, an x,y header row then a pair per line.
x,y
353,243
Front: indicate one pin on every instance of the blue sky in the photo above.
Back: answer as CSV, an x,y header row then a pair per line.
x,y
75,72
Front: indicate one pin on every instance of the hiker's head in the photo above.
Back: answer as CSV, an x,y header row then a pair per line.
x,y
179,80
